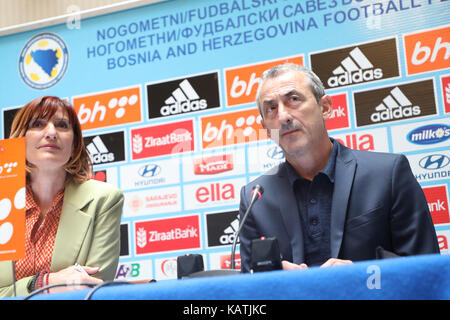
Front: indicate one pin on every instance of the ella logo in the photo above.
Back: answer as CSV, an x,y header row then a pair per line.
x,y
215,192
109,108
427,51
429,134
242,83
213,164
437,203
232,128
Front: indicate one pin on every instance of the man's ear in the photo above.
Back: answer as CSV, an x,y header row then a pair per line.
x,y
265,127
326,105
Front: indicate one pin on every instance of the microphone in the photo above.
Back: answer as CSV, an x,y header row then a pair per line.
x,y
256,193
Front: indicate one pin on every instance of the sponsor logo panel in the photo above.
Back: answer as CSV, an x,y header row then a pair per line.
x,y
214,165
262,158
106,148
232,128
445,81
368,140
166,268
162,235
149,174
134,271
124,240
221,228
242,82
108,175
110,108
8,117
164,139
153,201
400,102
438,203
222,260
420,136
183,95
430,166
340,117
443,237
215,193
358,64
427,51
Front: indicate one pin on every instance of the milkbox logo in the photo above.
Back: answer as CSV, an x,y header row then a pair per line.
x,y
183,95
222,227
106,148
438,203
109,108
445,82
170,138
339,118
427,50
232,128
164,235
242,82
394,103
355,65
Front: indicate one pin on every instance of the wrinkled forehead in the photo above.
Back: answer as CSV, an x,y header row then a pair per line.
x,y
284,84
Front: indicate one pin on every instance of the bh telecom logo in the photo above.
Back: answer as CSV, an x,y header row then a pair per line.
x,y
429,134
43,61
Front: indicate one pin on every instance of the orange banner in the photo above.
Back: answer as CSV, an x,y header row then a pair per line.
x,y
12,199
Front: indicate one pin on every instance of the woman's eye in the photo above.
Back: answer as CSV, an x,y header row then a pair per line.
x,y
62,124
36,123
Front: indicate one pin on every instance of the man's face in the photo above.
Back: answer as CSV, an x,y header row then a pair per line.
x,y
291,114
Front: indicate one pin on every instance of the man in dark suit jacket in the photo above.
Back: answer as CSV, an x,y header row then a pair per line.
x,y
328,204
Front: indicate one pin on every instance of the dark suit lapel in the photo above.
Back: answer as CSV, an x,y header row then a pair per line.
x,y
344,174
290,215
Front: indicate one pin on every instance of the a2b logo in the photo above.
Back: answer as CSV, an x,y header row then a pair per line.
x,y
427,51
243,82
108,108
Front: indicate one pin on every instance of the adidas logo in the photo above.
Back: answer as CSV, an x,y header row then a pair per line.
x,y
98,151
183,99
356,68
394,106
228,236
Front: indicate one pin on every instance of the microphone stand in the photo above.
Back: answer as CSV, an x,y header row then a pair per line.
x,y
257,191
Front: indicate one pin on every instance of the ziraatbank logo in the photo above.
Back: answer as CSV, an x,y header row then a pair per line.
x,y
429,134
366,62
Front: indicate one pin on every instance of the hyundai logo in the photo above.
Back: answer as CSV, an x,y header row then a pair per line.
x,y
434,161
149,170
275,153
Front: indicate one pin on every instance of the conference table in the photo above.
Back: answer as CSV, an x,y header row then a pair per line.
x,y
417,277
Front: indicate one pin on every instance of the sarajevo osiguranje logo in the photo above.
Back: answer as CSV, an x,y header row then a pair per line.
x,y
357,64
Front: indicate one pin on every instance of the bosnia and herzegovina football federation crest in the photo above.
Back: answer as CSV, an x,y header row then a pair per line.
x,y
43,60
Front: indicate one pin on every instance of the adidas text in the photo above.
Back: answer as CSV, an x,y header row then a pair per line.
x,y
185,106
397,113
355,77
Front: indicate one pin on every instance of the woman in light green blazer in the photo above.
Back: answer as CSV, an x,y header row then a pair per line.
x,y
88,232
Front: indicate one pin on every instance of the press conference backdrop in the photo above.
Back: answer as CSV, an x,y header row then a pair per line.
x,y
165,94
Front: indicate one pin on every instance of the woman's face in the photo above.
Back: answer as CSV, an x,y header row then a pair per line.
x,y
49,143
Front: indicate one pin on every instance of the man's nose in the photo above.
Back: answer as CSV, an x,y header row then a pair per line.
x,y
283,114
